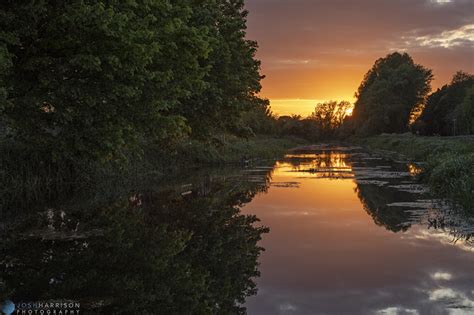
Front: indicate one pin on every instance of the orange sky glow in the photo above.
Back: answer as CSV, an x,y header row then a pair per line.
x,y
318,50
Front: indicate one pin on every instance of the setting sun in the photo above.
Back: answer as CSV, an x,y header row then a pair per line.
x,y
303,107
307,54
349,111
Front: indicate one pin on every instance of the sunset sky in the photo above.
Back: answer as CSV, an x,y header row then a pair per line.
x,y
316,50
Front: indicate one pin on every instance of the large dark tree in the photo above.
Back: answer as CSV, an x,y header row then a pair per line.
x,y
388,94
233,79
96,80
449,111
88,78
465,112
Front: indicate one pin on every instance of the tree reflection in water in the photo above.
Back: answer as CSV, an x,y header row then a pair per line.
x,y
172,251
388,191
182,247
375,200
326,164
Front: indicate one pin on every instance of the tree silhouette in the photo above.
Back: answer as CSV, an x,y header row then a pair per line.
x,y
329,117
388,93
448,111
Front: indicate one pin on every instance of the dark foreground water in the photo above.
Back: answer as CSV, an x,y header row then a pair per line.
x,y
350,233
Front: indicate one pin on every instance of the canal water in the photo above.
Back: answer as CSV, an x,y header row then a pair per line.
x,y
324,230
353,233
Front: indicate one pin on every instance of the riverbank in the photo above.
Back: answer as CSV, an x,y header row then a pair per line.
x,y
448,162
224,149
34,177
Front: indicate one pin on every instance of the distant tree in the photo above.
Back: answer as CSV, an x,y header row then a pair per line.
x,y
297,126
329,116
290,125
347,128
324,123
390,90
445,106
260,119
461,77
465,112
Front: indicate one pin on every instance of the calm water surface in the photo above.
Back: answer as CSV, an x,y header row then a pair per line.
x,y
350,233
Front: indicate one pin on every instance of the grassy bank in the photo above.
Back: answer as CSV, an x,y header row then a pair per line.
x,y
226,149
35,177
449,162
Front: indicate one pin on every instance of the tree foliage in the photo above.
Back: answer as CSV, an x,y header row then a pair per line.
x,y
297,126
329,116
448,106
390,90
97,79
465,112
233,79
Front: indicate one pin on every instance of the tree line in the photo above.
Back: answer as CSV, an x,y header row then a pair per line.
x,y
393,98
105,80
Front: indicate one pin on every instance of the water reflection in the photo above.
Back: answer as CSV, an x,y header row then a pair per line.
x,y
351,233
171,249
325,255
333,165
414,169
375,200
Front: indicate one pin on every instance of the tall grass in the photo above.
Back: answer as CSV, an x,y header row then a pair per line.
x,y
28,175
449,162
453,176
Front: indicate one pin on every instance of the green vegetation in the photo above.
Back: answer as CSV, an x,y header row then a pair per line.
x,y
93,91
420,148
232,149
89,79
95,80
30,183
453,176
449,162
450,110
389,93
329,117
94,87
323,124
393,98
465,112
